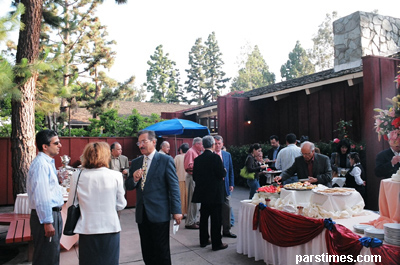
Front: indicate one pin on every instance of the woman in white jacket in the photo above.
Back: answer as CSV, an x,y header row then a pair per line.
x,y
100,194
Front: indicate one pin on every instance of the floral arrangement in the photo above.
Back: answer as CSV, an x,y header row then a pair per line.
x,y
387,122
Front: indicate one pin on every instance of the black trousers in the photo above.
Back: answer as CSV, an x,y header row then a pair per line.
x,y
46,252
154,240
212,210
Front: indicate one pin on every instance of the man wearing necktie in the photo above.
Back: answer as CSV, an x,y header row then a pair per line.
x,y
157,197
229,183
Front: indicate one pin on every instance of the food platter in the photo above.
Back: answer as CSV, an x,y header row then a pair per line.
x,y
335,191
301,186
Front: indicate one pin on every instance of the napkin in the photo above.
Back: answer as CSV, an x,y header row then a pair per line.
x,y
175,227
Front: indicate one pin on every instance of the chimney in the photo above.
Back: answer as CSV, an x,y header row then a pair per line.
x,y
361,34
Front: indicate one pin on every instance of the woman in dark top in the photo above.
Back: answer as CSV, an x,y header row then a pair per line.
x,y
340,159
252,165
356,175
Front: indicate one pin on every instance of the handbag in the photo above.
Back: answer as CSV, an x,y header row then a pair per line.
x,y
73,214
245,174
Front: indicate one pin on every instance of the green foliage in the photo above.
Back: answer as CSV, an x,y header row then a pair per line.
x,y
343,127
298,64
215,77
205,78
162,78
110,124
254,74
322,52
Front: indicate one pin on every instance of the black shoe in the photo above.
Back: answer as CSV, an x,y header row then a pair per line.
x,y
222,246
231,235
193,226
204,245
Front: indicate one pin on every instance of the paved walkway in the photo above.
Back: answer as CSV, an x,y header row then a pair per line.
x,y
185,246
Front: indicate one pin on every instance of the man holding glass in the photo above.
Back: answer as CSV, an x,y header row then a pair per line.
x,y
154,177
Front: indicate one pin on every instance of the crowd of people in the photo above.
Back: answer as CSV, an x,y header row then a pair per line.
x,y
196,186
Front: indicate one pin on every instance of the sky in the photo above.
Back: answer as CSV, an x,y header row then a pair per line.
x,y
140,26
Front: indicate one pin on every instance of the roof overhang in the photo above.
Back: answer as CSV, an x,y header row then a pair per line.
x,y
312,87
209,111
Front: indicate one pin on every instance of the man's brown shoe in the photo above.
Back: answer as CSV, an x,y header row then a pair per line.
x,y
193,226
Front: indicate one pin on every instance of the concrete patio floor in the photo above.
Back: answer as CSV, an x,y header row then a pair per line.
x,y
185,246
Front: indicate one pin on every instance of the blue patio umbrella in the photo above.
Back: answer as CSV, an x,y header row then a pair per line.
x,y
179,127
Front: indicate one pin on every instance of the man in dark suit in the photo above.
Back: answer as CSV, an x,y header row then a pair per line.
x,y
387,161
208,174
157,197
229,184
272,153
315,167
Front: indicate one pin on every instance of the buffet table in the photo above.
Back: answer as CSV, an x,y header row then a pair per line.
x,y
251,242
21,206
389,199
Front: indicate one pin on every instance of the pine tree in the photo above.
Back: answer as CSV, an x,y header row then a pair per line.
x,y
162,78
298,64
196,76
215,77
322,53
23,107
254,74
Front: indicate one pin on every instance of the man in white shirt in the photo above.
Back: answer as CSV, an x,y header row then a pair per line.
x,y
287,155
45,200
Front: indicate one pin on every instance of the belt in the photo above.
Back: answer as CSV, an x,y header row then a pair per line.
x,y
56,209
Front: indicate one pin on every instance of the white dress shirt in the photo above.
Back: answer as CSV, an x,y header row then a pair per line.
x,y
44,191
286,157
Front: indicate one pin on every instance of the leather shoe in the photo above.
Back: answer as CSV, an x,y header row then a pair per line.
x,y
231,235
193,226
204,245
222,246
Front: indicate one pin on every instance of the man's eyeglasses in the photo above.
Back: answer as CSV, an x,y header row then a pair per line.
x,y
56,143
142,142
306,154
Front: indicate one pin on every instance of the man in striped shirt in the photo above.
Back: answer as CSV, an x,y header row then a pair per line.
x,y
45,200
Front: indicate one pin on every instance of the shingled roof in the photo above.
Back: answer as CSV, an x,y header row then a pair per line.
x,y
82,115
301,81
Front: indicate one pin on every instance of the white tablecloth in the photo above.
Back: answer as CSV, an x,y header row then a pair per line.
x,y
339,181
251,243
22,204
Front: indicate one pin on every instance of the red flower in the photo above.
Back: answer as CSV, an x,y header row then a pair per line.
x,y
385,137
336,140
353,146
396,122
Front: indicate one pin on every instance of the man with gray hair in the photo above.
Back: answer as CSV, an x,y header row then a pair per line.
x,y
164,148
193,208
310,165
209,173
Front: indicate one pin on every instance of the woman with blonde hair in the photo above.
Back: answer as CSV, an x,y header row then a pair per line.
x,y
100,194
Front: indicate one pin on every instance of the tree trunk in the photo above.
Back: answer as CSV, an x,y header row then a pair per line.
x,y
23,148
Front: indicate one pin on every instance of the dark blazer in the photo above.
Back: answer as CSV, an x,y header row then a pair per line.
x,y
383,164
229,178
208,174
270,152
160,196
321,169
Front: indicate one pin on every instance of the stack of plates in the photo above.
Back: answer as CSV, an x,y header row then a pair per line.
x,y
392,233
360,228
374,232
